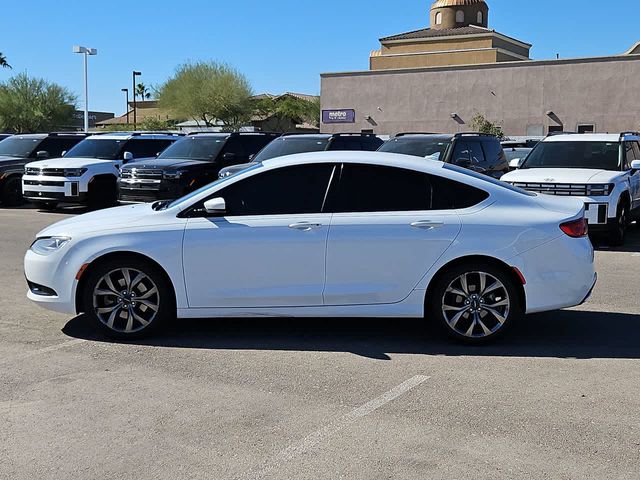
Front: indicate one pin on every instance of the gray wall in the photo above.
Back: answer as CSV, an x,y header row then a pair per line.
x,y
602,91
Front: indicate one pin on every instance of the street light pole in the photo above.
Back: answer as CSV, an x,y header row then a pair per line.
x,y
85,52
126,91
135,113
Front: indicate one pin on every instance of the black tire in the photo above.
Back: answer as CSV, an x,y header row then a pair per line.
x,y
100,305
445,302
618,232
103,192
11,195
44,205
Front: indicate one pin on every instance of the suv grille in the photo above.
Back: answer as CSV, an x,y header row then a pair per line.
x,y
49,172
144,173
566,189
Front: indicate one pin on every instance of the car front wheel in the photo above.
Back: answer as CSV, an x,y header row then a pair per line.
x,y
475,303
619,230
127,298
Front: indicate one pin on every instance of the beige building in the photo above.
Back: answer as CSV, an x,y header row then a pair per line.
x,y
437,79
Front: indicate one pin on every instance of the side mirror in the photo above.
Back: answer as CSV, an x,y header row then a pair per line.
x,y
215,205
251,157
127,156
635,165
42,154
64,152
515,163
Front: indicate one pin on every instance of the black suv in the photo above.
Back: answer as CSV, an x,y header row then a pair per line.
x,y
18,150
292,143
479,152
188,164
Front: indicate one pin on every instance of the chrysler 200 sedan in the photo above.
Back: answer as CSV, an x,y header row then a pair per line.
x,y
329,234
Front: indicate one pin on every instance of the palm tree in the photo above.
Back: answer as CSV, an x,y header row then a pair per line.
x,y
142,91
3,61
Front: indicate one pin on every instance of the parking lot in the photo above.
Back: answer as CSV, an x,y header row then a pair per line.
x,y
558,397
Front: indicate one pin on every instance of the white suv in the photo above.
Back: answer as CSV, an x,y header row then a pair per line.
x,y
88,172
602,169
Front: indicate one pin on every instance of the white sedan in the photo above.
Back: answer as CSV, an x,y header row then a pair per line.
x,y
330,234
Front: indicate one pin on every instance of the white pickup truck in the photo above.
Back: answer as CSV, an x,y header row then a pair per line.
x,y
602,169
88,172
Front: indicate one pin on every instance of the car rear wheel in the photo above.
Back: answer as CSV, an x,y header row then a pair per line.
x,y
12,192
474,303
127,298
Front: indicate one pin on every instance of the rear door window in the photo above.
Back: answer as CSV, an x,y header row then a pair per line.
x,y
375,188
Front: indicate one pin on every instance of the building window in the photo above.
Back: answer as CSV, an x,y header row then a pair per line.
x,y
459,16
586,128
480,18
439,18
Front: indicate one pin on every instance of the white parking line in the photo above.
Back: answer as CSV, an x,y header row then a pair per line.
x,y
322,436
41,351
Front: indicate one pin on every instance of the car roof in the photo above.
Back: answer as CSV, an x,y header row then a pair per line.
x,y
431,136
130,135
584,137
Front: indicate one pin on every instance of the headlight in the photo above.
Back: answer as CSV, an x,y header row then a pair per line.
x,y
173,175
74,172
48,245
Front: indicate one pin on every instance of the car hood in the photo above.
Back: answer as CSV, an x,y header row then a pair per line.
x,y
165,163
560,175
139,215
69,162
6,162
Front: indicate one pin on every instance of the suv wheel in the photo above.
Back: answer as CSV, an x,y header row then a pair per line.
x,y
474,303
12,192
127,298
619,229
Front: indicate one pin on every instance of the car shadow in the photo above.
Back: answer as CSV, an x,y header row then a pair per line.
x,y
561,334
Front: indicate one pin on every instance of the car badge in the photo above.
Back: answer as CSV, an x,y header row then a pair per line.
x,y
549,179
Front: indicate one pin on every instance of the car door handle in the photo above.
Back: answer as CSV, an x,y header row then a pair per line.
x,y
427,224
305,227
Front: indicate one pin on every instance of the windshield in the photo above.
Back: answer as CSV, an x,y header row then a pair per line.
x,y
291,145
185,201
196,147
107,149
592,155
513,153
416,146
21,147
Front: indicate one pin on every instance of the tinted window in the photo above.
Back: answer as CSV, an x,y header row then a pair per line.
x,y
345,143
254,143
636,150
235,145
196,147
371,143
417,146
146,148
289,190
493,151
374,188
469,155
56,145
630,154
576,154
289,145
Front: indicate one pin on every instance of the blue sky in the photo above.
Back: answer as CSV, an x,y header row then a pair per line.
x,y
281,45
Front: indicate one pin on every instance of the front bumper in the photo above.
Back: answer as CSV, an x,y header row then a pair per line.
x,y
140,190
59,189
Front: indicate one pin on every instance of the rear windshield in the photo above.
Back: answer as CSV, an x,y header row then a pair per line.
x,y
577,154
196,147
489,179
291,145
417,146
107,149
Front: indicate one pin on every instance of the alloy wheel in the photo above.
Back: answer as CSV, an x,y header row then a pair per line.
x,y
126,300
476,305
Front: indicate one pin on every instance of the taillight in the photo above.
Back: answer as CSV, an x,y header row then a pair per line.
x,y
576,228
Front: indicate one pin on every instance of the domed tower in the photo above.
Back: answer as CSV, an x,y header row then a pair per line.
x,y
447,14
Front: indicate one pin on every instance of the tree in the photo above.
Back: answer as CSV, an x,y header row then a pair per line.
x,y
3,61
34,105
287,109
480,124
142,91
208,92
